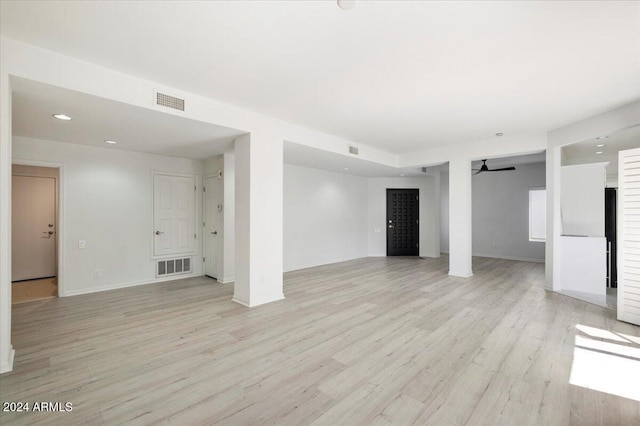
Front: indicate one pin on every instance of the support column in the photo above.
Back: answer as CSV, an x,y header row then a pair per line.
x,y
259,213
460,236
6,350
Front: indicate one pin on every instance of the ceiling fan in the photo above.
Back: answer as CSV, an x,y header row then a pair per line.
x,y
484,168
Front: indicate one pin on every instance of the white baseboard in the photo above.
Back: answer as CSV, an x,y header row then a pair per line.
x,y
257,302
314,264
466,274
7,365
499,256
226,280
127,284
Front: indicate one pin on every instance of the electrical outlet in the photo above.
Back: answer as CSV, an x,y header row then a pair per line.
x,y
82,244
97,273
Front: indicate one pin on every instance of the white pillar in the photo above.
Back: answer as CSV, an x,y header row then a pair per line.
x,y
6,350
460,237
229,219
259,228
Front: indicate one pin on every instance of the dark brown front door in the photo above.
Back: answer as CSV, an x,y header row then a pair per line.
x,y
402,222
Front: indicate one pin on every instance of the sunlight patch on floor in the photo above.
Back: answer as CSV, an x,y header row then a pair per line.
x,y
613,368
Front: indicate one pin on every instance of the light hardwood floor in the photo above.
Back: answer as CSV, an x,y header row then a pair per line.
x,y
26,291
370,341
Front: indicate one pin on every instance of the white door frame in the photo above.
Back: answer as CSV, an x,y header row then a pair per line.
x,y
60,228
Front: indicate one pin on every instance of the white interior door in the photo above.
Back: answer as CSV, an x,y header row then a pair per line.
x,y
629,236
174,214
33,222
212,228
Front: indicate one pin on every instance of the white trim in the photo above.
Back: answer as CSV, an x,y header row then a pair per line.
x,y
7,365
240,301
61,270
226,280
258,302
128,284
500,256
461,274
314,264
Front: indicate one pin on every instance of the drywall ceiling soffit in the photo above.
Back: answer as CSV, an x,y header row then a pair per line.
x,y
428,73
305,156
97,119
495,163
584,152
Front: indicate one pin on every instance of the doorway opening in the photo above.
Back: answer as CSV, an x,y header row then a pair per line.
x,y
212,225
402,222
34,233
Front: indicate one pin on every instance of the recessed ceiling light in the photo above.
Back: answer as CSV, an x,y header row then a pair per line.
x,y
598,152
61,117
600,145
602,137
346,168
499,134
347,4
110,142
401,174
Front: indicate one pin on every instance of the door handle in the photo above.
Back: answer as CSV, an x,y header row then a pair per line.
x,y
159,232
50,232
215,232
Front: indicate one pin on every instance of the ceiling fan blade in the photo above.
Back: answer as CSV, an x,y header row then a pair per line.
x,y
503,169
479,171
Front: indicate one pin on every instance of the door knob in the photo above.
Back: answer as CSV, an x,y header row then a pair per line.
x,y
215,232
159,232
50,232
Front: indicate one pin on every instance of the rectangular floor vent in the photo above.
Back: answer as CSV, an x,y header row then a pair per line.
x,y
167,267
169,101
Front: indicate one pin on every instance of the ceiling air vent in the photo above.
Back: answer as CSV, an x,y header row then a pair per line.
x,y
353,150
169,101
424,170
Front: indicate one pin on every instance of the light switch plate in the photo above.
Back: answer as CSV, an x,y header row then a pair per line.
x,y
377,230
82,244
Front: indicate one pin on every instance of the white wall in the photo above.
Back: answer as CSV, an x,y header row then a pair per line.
x,y
106,200
582,198
500,211
325,217
429,213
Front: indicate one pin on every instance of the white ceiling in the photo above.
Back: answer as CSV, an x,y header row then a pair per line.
x,y
399,76
97,119
585,152
138,129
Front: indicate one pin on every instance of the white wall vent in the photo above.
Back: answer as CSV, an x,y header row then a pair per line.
x,y
169,101
353,150
166,267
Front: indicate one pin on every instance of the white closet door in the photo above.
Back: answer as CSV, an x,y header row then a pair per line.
x,y
629,236
174,215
